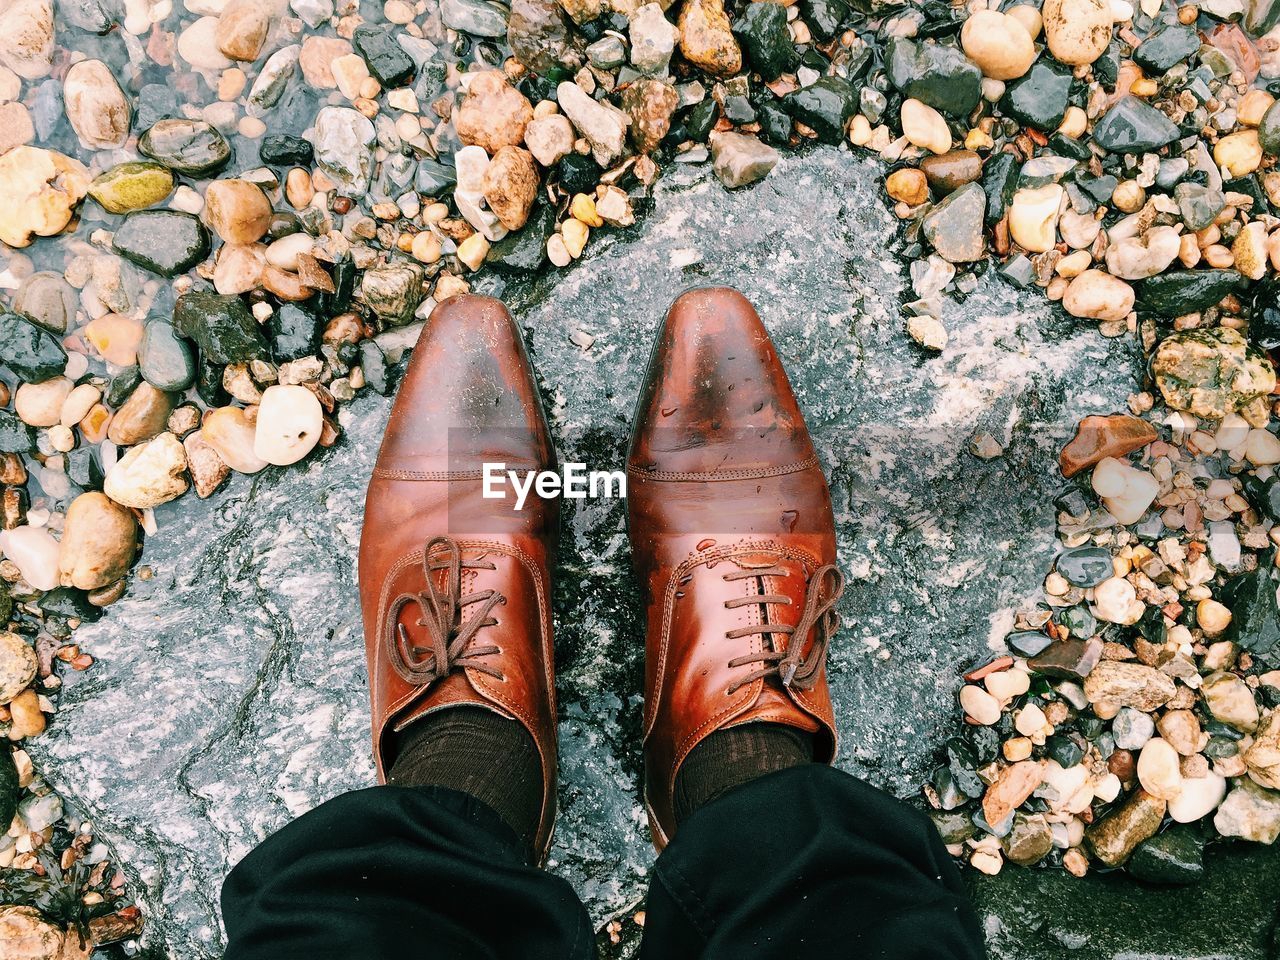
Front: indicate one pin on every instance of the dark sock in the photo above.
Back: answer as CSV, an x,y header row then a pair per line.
x,y
732,757
475,751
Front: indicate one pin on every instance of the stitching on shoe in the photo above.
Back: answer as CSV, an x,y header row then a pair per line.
x,y
752,473
386,473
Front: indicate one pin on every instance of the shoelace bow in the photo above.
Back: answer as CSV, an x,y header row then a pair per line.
x,y
791,666
447,634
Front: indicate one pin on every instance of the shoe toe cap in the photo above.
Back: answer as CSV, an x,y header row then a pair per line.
x,y
468,395
716,398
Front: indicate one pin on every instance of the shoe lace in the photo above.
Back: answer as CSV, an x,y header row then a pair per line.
x,y
447,635
791,666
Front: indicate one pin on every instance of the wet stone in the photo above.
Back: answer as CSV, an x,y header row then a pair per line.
x,y
15,436
825,105
1038,99
1086,566
134,185
10,792
165,360
1166,46
1269,128
1028,643
281,150
222,327
374,365
1068,659
392,292
538,34
954,226
1029,840
940,76
824,16
1178,292
192,147
999,183
579,173
343,145
49,300
1116,836
1198,204
948,171
523,251
294,331
1255,612
167,242
475,17
28,350
775,124
762,32
387,61
1132,126
1210,373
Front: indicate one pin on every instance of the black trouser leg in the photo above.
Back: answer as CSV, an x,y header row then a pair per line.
x,y
395,872
806,863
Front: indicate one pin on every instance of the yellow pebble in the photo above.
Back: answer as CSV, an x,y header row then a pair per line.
x,y
473,250
1239,154
583,208
1144,88
977,139
859,131
426,247
1073,123
575,235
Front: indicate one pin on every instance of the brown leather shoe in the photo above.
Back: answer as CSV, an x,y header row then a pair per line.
x,y
733,541
455,588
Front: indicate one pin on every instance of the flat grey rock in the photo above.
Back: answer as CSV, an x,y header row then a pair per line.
x,y
229,693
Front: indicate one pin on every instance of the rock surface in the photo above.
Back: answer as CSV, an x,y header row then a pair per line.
x,y
184,778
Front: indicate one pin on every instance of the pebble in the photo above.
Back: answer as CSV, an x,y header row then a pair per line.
x,y
1230,701
1125,491
343,144
18,666
289,423
706,39
1159,771
739,160
1077,32
1132,728
229,432
134,185
925,127
99,542
39,192
149,474
35,553
1033,217
494,114
604,126
1136,258
1124,684
28,26
96,107
954,226
237,211
998,43
981,707
510,186
1250,812
653,39
40,404
1197,798
908,185
549,139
